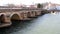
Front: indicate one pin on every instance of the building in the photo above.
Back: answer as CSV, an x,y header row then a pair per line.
x,y
50,5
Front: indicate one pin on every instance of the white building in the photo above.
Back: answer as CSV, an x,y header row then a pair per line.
x,y
50,6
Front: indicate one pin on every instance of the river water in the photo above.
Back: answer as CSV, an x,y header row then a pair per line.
x,y
46,24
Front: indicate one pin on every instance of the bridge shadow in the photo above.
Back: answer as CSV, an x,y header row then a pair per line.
x,y
16,26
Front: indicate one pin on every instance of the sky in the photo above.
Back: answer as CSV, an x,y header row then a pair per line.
x,y
27,2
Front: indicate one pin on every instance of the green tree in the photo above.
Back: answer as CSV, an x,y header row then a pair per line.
x,y
39,5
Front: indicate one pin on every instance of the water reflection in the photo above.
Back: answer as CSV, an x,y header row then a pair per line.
x,y
46,24
16,26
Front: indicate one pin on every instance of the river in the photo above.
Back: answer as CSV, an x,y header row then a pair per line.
x,y
46,24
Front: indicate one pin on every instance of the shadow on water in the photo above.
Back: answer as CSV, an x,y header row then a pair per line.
x,y
16,26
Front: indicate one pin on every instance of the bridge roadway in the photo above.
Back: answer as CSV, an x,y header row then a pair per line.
x,y
9,14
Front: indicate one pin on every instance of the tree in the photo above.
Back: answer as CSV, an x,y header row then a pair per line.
x,y
39,5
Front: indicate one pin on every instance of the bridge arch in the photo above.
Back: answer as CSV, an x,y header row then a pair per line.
x,y
15,16
2,18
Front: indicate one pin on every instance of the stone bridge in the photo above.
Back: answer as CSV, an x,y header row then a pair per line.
x,y
53,11
9,14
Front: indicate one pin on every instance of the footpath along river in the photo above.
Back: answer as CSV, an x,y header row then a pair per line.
x,y
45,24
